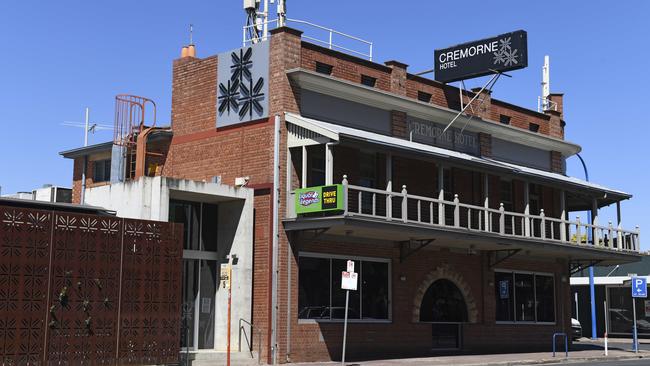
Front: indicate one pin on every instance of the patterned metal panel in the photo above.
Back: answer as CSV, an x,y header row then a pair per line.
x,y
84,294
24,260
150,317
66,279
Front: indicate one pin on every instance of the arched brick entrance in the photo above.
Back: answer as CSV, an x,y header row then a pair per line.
x,y
445,272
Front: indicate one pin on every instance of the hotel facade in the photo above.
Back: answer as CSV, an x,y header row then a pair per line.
x,y
286,159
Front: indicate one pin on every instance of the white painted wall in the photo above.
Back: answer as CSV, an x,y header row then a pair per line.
x,y
148,198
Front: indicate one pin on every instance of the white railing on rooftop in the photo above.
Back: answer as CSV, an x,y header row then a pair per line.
x,y
427,211
331,38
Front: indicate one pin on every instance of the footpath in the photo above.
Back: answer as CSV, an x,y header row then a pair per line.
x,y
585,351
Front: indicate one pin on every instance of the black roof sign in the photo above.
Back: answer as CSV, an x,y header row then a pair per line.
x,y
504,52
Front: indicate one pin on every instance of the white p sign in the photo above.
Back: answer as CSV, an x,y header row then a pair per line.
x,y
639,287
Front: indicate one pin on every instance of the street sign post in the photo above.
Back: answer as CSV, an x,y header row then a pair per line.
x,y
639,290
348,282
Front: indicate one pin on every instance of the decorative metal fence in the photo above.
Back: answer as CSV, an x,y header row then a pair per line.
x,y
82,289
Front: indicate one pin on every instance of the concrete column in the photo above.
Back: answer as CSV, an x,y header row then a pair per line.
x,y
303,179
329,163
527,208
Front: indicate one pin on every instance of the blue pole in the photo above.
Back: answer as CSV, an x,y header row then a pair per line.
x,y
592,291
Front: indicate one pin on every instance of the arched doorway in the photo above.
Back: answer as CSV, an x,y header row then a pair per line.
x,y
444,306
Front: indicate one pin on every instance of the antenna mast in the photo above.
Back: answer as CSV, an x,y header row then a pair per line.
x,y
546,83
257,20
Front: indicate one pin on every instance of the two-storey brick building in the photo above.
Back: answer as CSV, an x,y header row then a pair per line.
x,y
462,240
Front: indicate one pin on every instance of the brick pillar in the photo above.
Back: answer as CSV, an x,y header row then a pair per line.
x,y
397,77
556,123
284,96
398,124
284,55
481,105
485,144
557,163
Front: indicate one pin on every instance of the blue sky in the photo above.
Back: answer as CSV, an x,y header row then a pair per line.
x,y
62,56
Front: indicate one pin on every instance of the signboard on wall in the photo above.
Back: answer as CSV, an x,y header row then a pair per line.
x,y
430,133
242,85
504,52
349,280
319,199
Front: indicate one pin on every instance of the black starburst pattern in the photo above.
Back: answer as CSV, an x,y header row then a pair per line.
x,y
250,99
241,65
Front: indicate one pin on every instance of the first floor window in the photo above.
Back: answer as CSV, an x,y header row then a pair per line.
x,y
102,170
524,297
321,297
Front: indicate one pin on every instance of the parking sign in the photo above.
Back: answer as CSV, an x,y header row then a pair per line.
x,y
639,287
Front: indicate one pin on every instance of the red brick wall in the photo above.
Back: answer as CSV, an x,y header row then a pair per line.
x,y
345,67
556,162
321,341
398,124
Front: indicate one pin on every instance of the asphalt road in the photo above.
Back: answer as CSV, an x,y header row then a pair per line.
x,y
637,362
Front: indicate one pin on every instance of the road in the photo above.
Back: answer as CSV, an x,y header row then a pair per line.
x,y
637,362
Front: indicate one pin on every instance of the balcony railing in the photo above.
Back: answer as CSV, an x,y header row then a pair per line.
x,y
427,211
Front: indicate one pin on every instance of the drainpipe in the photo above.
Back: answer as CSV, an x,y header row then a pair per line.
x,y
276,204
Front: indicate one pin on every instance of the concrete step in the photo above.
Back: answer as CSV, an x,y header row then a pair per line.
x,y
217,358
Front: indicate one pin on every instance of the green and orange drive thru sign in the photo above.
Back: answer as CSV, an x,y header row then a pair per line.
x,y
319,199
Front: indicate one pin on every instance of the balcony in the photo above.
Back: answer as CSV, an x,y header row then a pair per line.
x,y
383,206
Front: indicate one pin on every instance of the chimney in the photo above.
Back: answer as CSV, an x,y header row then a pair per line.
x,y
557,102
184,52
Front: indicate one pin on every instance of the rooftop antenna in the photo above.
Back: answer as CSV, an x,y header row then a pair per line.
x,y
544,103
257,20
87,126
191,30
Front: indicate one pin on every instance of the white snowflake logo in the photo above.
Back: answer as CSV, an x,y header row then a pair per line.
x,y
506,55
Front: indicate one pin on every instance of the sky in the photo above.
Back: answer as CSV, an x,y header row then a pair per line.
x,y
63,56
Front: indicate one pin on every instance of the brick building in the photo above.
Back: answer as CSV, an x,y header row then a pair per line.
x,y
462,240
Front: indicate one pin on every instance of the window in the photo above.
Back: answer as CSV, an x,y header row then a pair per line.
x,y
324,68
533,127
424,97
504,119
199,223
524,297
535,198
367,178
368,80
505,194
102,170
320,296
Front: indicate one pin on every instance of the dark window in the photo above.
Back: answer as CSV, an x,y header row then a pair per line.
x,y
544,290
324,68
504,296
535,198
534,127
506,195
443,302
102,170
199,223
524,297
314,289
504,119
320,295
367,178
368,80
424,97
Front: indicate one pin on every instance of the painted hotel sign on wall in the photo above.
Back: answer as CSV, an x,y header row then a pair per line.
x,y
430,133
473,59
242,85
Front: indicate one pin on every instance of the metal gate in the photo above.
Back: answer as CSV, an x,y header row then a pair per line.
x,y
88,289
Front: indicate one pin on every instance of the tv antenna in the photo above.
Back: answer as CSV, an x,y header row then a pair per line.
x,y
87,126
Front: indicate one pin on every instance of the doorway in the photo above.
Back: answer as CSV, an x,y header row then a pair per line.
x,y
200,261
443,305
